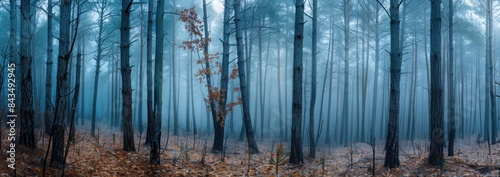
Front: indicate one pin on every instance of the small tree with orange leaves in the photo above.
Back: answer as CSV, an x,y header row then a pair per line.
x,y
199,43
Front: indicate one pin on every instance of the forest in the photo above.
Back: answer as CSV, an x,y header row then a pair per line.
x,y
249,88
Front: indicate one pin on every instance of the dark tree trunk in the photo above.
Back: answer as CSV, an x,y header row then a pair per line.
x,y
312,143
252,144
451,82
57,157
436,155
102,7
126,69
149,74
154,156
221,111
296,154
27,130
49,111
392,142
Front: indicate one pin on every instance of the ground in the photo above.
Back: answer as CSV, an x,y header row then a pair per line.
x,y
104,157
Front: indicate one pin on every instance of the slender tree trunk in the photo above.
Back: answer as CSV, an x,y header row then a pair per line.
x,y
330,88
491,74
174,77
392,142
154,156
280,110
126,69
252,145
312,144
76,89
49,111
221,111
436,156
100,41
296,154
27,133
141,73
149,74
345,107
377,61
451,82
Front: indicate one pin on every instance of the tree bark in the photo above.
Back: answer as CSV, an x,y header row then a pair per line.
x,y
27,130
49,111
154,156
436,156
392,141
312,144
126,69
296,154
57,157
252,145
451,82
149,74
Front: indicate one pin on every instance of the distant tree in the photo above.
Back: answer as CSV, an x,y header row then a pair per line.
x,y
296,154
436,155
27,130
103,14
126,69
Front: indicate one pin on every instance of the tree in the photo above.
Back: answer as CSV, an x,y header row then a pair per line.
x,y
221,111
101,8
49,111
312,144
27,130
149,74
57,157
392,141
126,69
436,156
490,86
158,86
345,108
296,154
252,144
451,82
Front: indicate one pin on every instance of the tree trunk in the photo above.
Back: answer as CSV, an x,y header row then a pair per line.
x,y
27,133
451,82
141,73
312,144
126,69
392,142
149,74
103,6
252,145
436,156
489,70
345,108
296,154
221,111
331,54
174,77
377,61
154,156
76,89
57,158
49,111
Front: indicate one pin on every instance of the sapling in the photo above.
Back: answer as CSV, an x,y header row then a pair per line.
x,y
279,158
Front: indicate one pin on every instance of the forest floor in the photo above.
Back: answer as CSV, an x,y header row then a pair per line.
x,y
104,157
